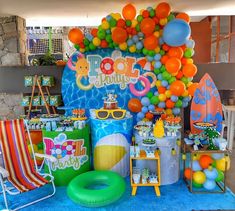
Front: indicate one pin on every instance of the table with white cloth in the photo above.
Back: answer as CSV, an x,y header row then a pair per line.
x,y
231,121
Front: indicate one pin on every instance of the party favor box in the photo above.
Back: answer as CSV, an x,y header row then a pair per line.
x,y
55,100
47,98
48,81
25,101
36,100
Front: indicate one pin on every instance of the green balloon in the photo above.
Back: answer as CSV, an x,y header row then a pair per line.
x,y
139,18
128,22
162,52
172,79
92,46
145,51
185,80
156,71
152,13
40,145
170,17
112,22
154,100
115,44
138,51
196,185
137,27
101,34
166,76
100,27
220,176
162,68
151,53
188,53
87,48
110,45
157,28
108,38
86,42
149,95
77,46
214,164
178,104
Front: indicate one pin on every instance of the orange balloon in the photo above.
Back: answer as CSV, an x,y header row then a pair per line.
x,y
179,75
170,104
119,35
94,32
189,70
177,88
147,26
161,89
75,36
129,12
149,116
173,65
134,105
205,161
176,52
184,16
164,59
151,42
188,173
163,10
192,88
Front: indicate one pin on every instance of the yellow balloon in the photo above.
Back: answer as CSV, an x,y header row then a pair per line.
x,y
185,94
220,164
123,46
134,22
168,93
189,84
161,32
82,50
40,151
105,25
189,61
163,21
157,49
156,34
116,16
158,83
132,49
168,111
162,97
141,11
96,41
199,177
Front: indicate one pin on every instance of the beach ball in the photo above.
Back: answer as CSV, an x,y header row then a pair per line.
x,y
188,173
176,32
209,184
196,166
112,153
220,176
220,164
119,35
129,12
211,173
199,177
75,36
134,105
205,161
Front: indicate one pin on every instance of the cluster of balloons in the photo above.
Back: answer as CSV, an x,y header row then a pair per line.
x,y
207,170
164,38
37,148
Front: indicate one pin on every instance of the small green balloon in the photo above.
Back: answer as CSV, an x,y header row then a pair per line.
x,y
139,18
101,34
166,76
40,145
87,48
196,185
162,68
110,45
108,38
128,22
137,27
214,164
172,79
112,22
188,53
154,100
138,51
115,44
145,51
100,27
149,95
86,42
92,46
152,13
220,176
151,53
178,103
170,17
77,46
157,28
162,52
156,71
184,80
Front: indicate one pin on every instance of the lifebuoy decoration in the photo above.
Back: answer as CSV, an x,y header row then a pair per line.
x,y
106,66
153,76
81,86
146,86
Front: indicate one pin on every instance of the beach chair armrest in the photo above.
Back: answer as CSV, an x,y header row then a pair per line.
x,y
4,172
48,157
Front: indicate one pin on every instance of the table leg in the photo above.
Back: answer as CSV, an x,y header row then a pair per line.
x,y
157,190
134,189
229,128
231,135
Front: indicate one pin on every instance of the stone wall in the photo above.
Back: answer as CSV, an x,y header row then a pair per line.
x,y
10,106
13,41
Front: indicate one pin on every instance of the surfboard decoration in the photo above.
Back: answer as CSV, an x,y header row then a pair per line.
x,y
206,105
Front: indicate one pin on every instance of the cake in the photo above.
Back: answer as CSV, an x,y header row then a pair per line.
x,y
110,101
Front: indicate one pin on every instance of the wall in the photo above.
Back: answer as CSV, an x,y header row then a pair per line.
x,y
12,41
201,33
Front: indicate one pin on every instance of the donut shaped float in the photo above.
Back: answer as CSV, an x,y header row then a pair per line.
x,y
106,66
69,146
58,151
153,76
146,86
81,189
81,86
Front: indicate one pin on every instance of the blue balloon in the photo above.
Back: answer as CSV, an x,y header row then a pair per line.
x,y
211,174
176,32
190,43
176,111
195,165
140,115
157,64
145,101
164,83
161,41
135,38
144,109
139,45
157,57
159,76
151,107
162,105
130,42
108,31
217,156
174,98
156,93
89,36
209,184
108,17
149,58
184,104
140,34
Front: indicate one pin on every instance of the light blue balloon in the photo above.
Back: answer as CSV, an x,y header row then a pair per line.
x,y
217,156
144,109
196,166
161,41
140,115
174,98
139,45
108,17
164,83
159,76
157,57
108,31
211,174
151,107
184,104
145,101
209,184
149,58
176,111
156,93
149,8
140,34
157,64
135,38
190,43
130,42
186,99
176,32
89,37
162,105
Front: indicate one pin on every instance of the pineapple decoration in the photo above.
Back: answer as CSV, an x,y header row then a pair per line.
x,y
211,133
158,130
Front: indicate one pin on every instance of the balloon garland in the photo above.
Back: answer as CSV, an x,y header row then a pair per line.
x,y
163,38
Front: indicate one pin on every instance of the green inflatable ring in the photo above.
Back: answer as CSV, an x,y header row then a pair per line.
x,y
78,189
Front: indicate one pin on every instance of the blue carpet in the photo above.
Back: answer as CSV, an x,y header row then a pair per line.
x,y
173,197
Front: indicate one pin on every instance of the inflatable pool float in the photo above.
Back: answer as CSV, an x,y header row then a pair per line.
x,y
96,188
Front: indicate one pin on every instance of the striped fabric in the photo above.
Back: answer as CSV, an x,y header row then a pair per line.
x,y
16,156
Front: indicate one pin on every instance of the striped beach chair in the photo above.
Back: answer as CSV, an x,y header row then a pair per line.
x,y
19,169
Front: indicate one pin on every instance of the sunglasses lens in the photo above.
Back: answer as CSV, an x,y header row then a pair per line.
x,y
118,114
102,114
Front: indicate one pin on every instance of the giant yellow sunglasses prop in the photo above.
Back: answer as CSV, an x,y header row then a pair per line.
x,y
115,113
